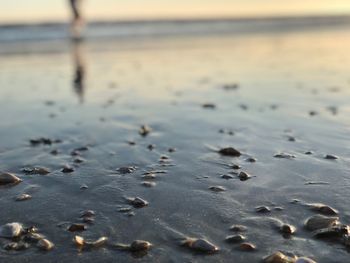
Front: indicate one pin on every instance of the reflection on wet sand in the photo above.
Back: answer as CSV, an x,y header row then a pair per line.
x,y
79,69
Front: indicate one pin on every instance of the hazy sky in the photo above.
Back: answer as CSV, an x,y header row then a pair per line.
x,y
43,10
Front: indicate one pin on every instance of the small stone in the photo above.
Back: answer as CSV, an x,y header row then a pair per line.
x,y
77,227
305,260
209,106
124,209
318,222
201,245
45,244
17,246
308,153
287,229
140,245
145,130
148,184
238,228
151,147
23,197
11,230
243,176
9,179
217,188
149,176
227,176
67,169
279,257
33,237
78,160
332,232
229,151
331,157
235,166
171,150
84,187
138,202
262,209
36,170
323,209
98,243
87,213
54,152
126,170
235,239
284,156
79,241
247,247
250,160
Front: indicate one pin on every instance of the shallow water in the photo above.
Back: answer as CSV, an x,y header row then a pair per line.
x,y
163,83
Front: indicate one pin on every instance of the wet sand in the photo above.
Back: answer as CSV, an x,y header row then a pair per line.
x,y
264,94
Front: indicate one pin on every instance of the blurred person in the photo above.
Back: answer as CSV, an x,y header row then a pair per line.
x,y
77,23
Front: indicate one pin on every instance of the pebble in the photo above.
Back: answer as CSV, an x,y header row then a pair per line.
x,y
235,166
79,241
140,245
229,151
45,244
84,187
149,176
288,229
67,169
78,160
279,257
151,147
227,176
126,169
124,209
36,170
235,239
243,176
200,245
217,188
331,157
87,213
250,160
332,232
11,230
238,228
318,222
262,209
23,197
284,156
43,141
323,209
171,150
77,227
209,106
247,247
98,243
148,184
144,130
8,178
138,202
16,246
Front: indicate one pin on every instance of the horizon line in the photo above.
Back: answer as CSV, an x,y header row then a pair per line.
x,y
186,19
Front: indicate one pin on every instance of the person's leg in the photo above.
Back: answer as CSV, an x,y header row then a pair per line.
x,y
75,9
77,21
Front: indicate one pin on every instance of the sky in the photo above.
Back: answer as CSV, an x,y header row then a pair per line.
x,y
53,10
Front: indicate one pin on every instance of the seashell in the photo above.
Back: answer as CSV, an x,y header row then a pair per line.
x,y
318,222
11,230
8,178
229,151
235,239
45,244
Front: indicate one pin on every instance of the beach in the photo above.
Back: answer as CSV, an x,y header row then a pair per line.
x,y
115,110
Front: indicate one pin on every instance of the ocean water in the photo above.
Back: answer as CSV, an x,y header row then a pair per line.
x,y
292,79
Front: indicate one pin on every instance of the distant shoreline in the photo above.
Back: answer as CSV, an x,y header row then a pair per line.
x,y
340,18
